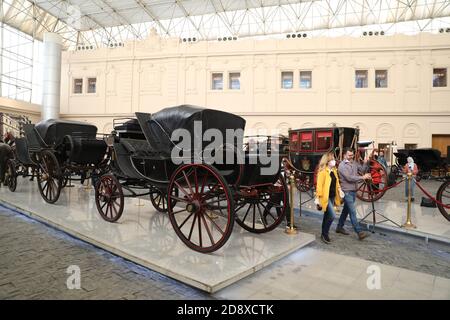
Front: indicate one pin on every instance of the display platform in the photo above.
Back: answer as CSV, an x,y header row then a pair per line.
x,y
146,237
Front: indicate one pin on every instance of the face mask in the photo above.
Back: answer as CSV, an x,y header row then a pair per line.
x,y
332,163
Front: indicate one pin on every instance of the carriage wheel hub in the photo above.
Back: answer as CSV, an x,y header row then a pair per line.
x,y
193,206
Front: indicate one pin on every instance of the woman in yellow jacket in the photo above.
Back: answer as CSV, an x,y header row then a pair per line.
x,y
328,192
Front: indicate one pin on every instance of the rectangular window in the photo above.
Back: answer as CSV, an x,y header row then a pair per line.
x,y
361,78
217,81
439,77
381,78
294,140
287,80
306,141
92,85
77,86
305,79
323,140
235,81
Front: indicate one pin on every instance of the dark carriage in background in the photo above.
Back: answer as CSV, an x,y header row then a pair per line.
x,y
21,165
202,198
60,150
307,146
427,160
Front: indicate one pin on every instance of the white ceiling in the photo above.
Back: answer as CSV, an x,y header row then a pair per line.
x,y
100,22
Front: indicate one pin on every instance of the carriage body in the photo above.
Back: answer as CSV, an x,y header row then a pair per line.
x,y
427,160
203,198
308,145
59,151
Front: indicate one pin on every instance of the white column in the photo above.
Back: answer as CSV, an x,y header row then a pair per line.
x,y
51,76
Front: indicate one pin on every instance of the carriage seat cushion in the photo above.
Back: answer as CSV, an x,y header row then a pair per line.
x,y
140,148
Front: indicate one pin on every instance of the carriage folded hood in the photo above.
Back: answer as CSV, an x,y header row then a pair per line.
x,y
160,128
53,131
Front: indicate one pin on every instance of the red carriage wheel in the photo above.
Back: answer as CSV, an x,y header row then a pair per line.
x,y
159,200
303,182
204,216
443,196
109,198
11,175
49,177
372,190
262,209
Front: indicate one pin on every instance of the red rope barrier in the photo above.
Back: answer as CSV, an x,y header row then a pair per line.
x,y
431,197
385,189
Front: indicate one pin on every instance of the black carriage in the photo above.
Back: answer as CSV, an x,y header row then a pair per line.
x,y
21,165
427,160
307,146
202,198
60,150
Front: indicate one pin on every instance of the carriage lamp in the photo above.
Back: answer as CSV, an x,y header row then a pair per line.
x,y
408,224
291,230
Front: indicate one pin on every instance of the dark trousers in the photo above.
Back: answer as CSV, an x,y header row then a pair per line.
x,y
328,218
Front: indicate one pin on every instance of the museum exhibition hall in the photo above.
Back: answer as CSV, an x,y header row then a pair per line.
x,y
209,150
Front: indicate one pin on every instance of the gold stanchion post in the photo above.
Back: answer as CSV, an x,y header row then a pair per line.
x,y
408,224
291,230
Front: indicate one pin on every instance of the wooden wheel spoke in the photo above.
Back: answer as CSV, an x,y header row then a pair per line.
x,y
207,229
192,227
188,182
183,190
215,224
246,213
263,220
179,211
254,215
200,229
196,180
185,220
268,212
179,199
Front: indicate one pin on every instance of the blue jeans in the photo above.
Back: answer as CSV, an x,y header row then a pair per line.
x,y
413,184
328,218
349,207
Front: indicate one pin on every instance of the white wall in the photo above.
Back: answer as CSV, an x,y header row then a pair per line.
x,y
155,73
32,111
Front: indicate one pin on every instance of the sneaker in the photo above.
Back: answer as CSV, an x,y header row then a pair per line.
x,y
325,239
362,235
342,231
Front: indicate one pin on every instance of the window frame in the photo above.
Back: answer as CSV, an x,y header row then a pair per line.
x,y
87,84
310,80
446,78
355,78
282,82
387,78
74,79
300,141
212,88
316,139
229,80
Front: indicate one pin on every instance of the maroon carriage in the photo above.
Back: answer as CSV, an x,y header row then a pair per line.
x,y
306,147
